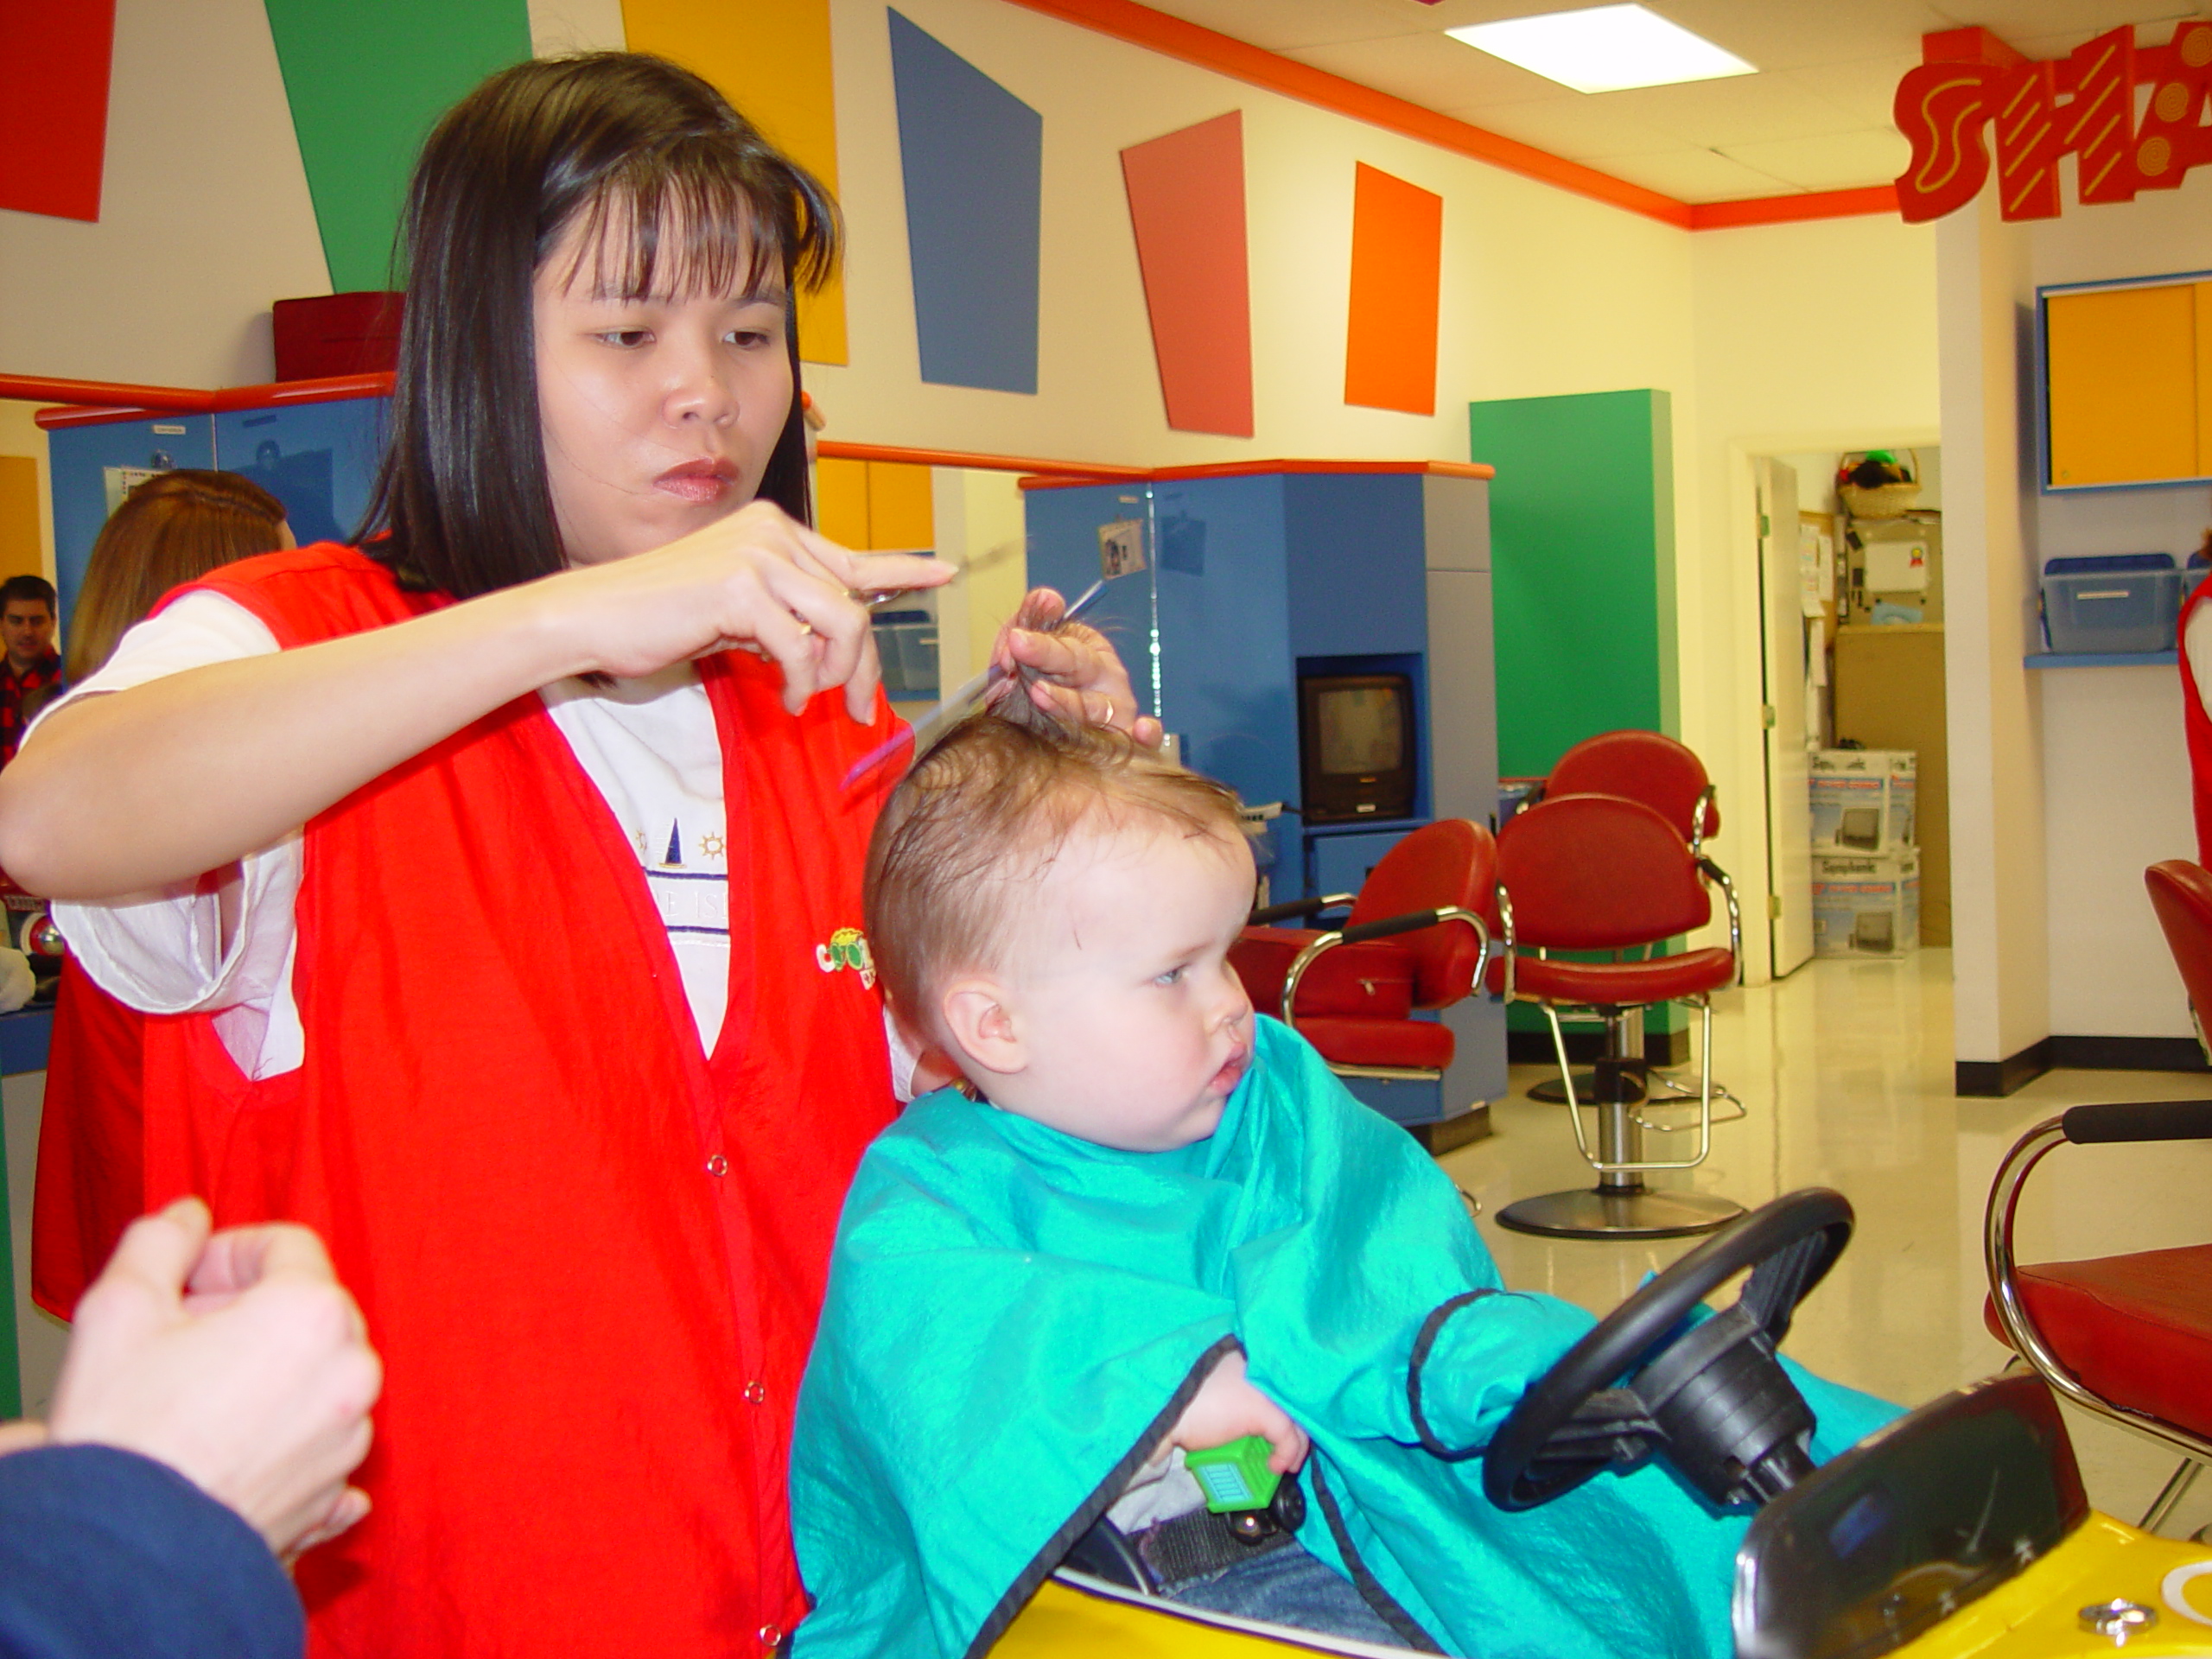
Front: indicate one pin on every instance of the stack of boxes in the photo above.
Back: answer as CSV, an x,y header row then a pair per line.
x,y
1865,864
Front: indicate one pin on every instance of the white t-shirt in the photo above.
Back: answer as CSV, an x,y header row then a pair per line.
x,y
2196,640
649,746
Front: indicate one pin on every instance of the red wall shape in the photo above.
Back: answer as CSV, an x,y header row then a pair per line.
x,y
53,74
1397,254
1187,205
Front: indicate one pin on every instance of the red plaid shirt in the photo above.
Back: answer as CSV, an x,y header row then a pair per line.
x,y
23,696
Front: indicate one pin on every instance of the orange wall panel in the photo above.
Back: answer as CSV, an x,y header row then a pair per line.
x,y
1397,254
1186,207
841,501
770,58
902,512
21,548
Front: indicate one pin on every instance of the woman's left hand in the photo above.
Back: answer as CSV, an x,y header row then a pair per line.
x,y
1076,672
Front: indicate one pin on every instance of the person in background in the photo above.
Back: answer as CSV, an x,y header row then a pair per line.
x,y
212,1405
34,671
173,529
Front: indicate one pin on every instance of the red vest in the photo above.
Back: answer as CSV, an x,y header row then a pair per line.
x,y
591,1257
2197,725
90,1179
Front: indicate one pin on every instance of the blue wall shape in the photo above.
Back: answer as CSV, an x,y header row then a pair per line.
x,y
972,154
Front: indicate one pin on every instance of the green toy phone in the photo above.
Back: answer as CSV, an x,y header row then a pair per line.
x,y
1235,1477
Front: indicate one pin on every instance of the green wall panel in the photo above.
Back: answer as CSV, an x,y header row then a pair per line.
x,y
1582,533
366,83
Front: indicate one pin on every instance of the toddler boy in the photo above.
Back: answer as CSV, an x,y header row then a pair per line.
x,y
1160,1225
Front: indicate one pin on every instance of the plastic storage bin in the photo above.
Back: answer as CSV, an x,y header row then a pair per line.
x,y
906,641
2114,603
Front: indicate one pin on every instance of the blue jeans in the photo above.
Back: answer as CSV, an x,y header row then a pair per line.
x,y
1286,1587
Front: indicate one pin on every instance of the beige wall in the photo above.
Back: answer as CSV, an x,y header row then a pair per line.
x,y
1819,336
1788,337
205,217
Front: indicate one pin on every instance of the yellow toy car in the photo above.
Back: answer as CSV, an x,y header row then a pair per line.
x,y
1959,1529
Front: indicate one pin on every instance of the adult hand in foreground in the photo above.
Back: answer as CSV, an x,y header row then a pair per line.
x,y
1077,670
238,1360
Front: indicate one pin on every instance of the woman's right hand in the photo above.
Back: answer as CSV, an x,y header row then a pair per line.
x,y
757,581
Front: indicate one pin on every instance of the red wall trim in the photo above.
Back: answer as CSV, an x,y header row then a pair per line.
x,y
1783,210
1139,25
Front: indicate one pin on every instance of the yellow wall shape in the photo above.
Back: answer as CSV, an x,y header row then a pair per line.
x,y
900,514
770,58
2123,384
841,501
22,551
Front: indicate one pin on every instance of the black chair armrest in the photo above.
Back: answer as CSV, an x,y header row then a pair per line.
x,y
1269,915
2142,1119
1412,922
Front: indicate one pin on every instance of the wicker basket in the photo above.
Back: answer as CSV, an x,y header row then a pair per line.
x,y
1884,500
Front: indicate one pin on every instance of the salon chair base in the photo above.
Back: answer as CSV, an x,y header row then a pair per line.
x,y
1619,1212
1552,1092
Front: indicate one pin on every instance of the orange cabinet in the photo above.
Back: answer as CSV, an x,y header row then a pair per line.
x,y
2128,383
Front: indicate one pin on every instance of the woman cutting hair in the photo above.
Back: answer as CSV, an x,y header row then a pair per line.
x,y
494,865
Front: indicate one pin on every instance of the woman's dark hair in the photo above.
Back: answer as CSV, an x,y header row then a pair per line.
x,y
173,529
611,142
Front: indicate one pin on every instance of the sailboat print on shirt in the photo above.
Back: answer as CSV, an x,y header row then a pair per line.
x,y
692,895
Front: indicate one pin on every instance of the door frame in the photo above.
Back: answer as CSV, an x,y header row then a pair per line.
x,y
1735,700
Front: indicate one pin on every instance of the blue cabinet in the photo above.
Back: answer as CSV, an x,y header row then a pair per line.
x,y
1254,576
319,459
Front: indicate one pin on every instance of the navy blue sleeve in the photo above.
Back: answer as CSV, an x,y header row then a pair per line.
x,y
105,1552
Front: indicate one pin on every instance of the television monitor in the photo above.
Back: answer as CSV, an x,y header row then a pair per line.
x,y
1356,746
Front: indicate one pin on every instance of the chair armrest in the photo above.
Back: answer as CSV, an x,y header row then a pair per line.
x,y
1718,877
1412,922
2146,1120
1269,915
2176,1120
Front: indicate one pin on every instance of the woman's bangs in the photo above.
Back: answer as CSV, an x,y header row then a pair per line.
x,y
684,221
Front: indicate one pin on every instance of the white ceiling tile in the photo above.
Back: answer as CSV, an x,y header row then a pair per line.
x,y
1568,126
1865,90
1694,175
1433,70
1840,161
1816,116
1747,109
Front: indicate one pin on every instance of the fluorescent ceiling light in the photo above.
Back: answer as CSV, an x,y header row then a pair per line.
x,y
1604,49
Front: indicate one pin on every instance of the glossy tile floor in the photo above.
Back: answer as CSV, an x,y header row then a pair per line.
x,y
1846,1068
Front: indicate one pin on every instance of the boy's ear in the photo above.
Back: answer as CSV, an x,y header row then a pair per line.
x,y
977,1019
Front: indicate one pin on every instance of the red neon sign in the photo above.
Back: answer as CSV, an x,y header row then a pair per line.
x,y
2083,105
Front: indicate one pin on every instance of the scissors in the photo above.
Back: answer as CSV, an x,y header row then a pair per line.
x,y
931,728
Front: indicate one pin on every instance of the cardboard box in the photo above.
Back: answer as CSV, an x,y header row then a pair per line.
x,y
1866,904
1864,800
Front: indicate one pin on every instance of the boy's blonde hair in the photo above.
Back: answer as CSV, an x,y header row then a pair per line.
x,y
965,836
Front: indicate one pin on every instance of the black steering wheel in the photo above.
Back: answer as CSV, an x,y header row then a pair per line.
x,y
1714,1400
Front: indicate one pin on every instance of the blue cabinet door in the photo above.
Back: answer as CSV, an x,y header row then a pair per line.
x,y
92,468
320,460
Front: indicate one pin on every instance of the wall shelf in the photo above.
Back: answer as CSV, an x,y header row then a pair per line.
x,y
2102,658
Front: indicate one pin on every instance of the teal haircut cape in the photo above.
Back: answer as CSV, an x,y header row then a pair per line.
x,y
1015,1317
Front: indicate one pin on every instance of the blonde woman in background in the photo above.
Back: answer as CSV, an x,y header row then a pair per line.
x,y
172,529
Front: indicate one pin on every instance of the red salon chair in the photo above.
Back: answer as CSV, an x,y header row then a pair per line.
x,y
1666,775
1415,940
1596,872
2126,1337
